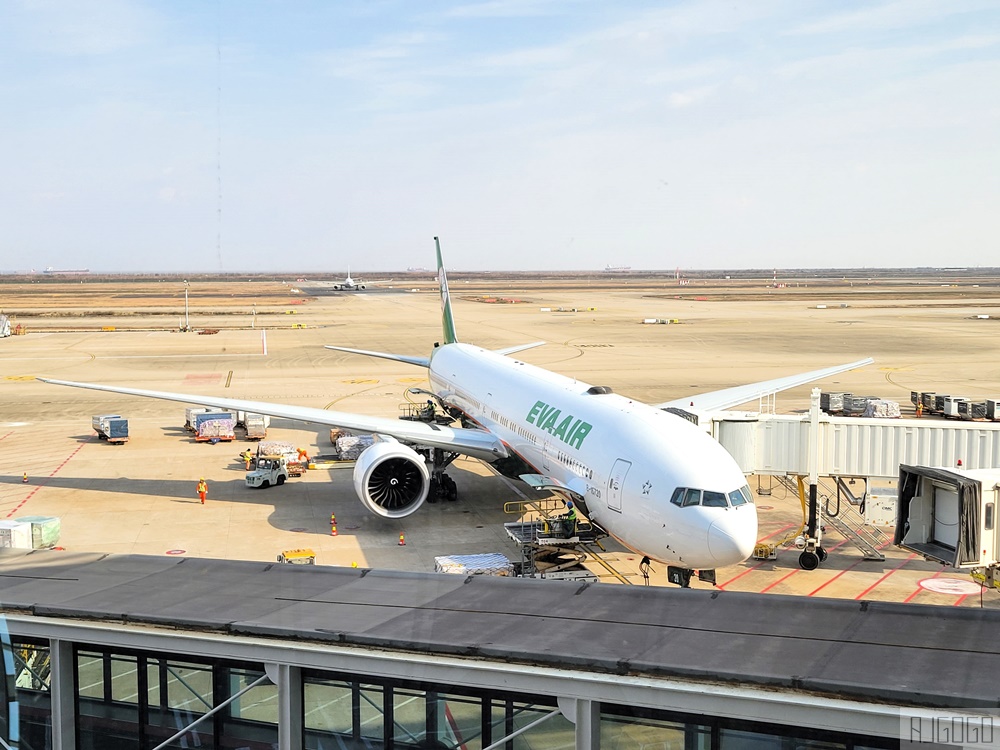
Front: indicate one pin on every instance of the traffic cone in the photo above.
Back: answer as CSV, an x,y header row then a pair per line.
x,y
402,541
333,525
25,478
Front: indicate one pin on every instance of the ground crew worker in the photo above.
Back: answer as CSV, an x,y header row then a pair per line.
x,y
920,408
303,456
429,410
202,489
247,458
570,519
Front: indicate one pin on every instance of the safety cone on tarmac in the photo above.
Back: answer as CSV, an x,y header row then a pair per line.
x,y
25,478
402,541
333,525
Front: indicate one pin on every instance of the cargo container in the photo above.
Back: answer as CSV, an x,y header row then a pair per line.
x,y
486,563
928,400
939,399
973,410
191,413
95,422
256,425
114,429
16,534
45,530
950,407
832,403
993,409
212,414
854,406
221,428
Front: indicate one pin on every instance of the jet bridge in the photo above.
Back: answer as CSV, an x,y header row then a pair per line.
x,y
845,449
779,445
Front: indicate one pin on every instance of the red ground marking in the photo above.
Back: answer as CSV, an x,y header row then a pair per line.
x,y
209,378
51,474
798,570
754,567
849,567
7,435
912,596
868,590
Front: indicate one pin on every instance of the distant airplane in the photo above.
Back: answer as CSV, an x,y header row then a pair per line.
x,y
351,285
652,480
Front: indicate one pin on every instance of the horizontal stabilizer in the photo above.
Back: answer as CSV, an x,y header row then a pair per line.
x,y
741,394
422,361
519,347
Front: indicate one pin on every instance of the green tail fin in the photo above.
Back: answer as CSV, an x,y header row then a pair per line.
x,y
447,319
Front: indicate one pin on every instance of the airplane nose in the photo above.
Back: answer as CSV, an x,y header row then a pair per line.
x,y
731,540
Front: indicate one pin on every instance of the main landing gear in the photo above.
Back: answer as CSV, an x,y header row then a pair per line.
x,y
442,486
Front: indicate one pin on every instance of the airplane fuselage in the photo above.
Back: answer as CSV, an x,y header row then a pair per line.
x,y
627,459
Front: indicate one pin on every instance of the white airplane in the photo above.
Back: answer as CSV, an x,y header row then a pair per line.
x,y
654,481
353,285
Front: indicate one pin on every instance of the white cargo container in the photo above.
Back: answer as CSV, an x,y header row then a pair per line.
x,y
191,416
949,515
951,405
16,534
97,422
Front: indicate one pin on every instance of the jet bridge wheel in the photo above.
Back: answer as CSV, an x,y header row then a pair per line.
x,y
810,560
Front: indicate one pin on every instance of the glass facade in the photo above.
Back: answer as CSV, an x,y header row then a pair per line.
x,y
32,685
135,700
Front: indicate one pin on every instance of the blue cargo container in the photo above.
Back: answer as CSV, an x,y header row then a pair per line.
x,y
211,415
112,428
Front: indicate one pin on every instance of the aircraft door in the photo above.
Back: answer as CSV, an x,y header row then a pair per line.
x,y
616,482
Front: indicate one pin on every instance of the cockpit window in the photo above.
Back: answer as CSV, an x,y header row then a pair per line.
x,y
714,499
741,496
678,497
692,497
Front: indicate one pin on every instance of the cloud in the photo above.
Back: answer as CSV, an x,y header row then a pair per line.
x,y
86,29
680,99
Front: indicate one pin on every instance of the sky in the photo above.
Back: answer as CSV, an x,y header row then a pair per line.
x,y
195,135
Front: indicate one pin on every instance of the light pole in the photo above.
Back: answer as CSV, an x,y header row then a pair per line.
x,y
187,320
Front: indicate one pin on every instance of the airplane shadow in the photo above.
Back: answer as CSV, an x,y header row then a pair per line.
x,y
283,517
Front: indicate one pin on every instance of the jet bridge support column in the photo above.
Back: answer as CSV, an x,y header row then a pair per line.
x,y
813,554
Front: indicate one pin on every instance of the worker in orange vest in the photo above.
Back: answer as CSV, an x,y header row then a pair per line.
x,y
202,489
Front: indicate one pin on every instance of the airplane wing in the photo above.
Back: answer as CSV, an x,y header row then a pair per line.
x,y
469,442
421,361
730,397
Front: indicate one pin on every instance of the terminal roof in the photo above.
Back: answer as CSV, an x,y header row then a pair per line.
x,y
898,653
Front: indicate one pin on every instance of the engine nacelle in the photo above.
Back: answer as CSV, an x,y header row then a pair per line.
x,y
391,479
361,286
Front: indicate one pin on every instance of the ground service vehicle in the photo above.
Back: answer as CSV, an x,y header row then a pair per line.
x,y
270,470
304,556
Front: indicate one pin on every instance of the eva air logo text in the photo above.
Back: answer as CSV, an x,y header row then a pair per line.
x,y
570,430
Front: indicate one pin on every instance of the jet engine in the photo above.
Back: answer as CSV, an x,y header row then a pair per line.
x,y
391,479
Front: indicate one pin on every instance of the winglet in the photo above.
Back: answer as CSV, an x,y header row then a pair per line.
x,y
447,319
